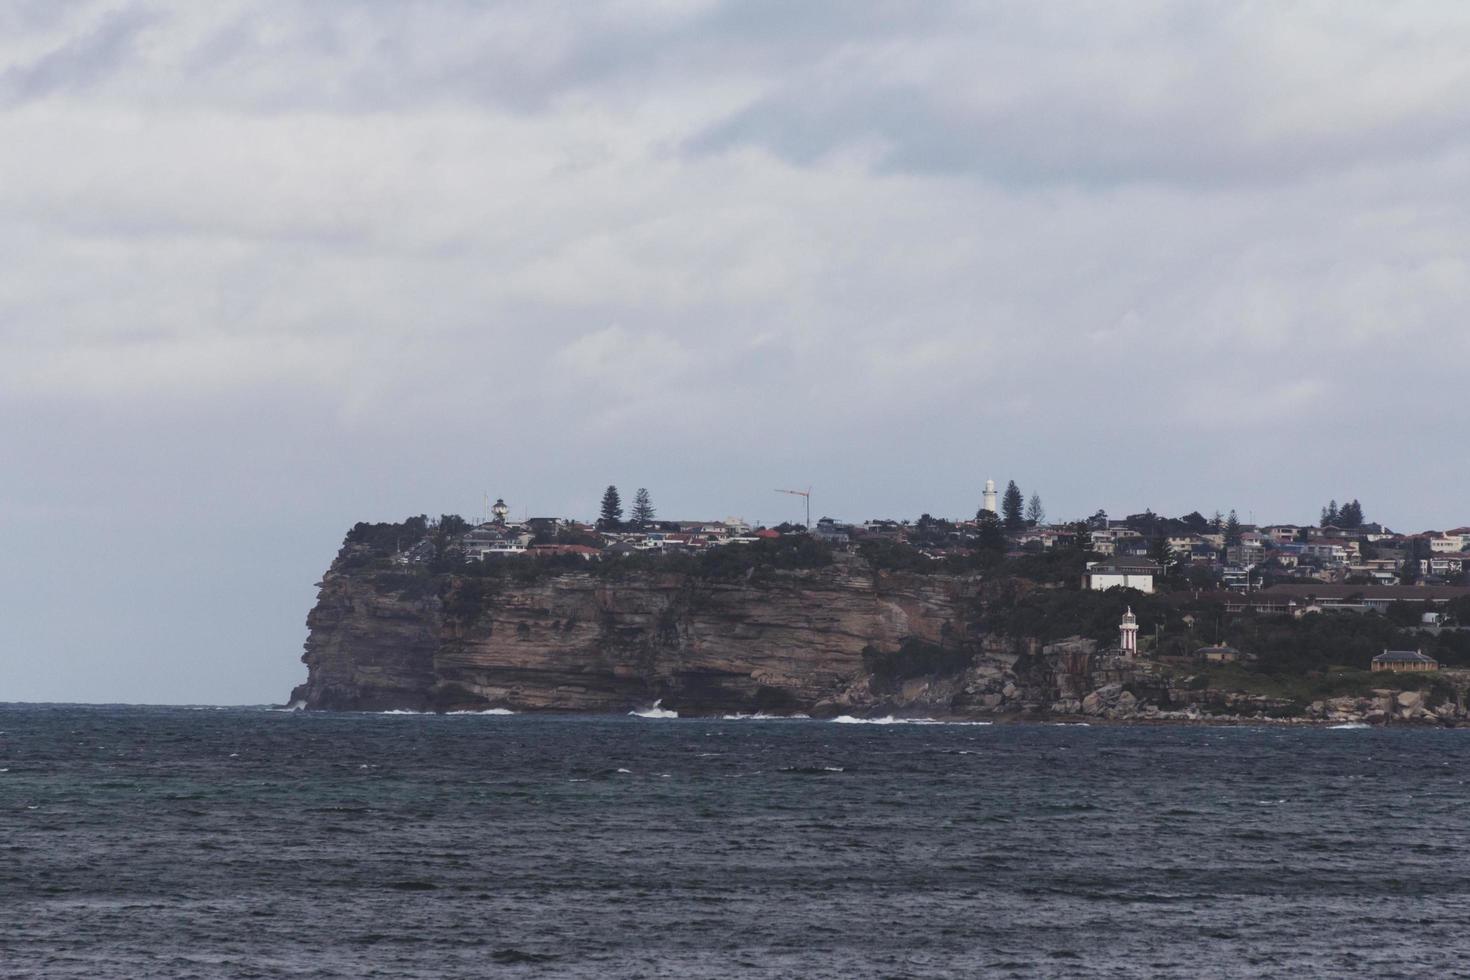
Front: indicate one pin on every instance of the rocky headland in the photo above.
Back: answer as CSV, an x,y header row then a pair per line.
x,y
844,638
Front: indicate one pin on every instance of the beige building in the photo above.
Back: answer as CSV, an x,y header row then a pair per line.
x,y
1409,660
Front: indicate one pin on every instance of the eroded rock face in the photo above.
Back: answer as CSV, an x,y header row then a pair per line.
x,y
580,642
781,642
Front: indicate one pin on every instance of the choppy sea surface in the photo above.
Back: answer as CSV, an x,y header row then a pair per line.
x,y
171,842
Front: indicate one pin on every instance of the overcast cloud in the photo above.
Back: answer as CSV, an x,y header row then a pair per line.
x,y
273,268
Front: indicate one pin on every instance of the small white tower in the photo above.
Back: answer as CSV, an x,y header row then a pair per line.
x,y
1128,634
990,497
499,510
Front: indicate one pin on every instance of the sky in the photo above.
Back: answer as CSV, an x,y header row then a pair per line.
x,y
268,269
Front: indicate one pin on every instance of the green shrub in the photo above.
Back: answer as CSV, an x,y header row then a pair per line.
x,y
786,553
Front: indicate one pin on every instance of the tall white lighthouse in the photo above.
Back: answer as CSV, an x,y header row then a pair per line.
x,y
1128,634
990,497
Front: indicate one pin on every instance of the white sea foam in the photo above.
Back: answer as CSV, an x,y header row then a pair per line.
x,y
485,711
760,716
891,720
1351,724
655,712
626,771
402,711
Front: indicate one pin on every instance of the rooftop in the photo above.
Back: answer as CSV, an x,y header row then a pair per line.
x,y
1406,593
1403,657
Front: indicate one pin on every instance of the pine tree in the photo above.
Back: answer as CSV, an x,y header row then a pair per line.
x,y
1350,516
1217,523
1082,536
612,510
1159,551
642,509
1011,506
1034,513
1409,573
1232,529
1330,515
991,536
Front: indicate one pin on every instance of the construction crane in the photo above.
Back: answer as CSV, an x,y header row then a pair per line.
x,y
807,495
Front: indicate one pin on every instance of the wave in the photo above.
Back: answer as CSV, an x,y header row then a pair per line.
x,y
1351,724
655,711
484,711
761,716
891,720
810,770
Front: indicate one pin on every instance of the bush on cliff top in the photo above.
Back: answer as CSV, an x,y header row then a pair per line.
x,y
787,553
387,538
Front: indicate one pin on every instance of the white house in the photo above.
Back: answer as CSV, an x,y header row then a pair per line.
x,y
1126,573
1281,533
493,539
1332,554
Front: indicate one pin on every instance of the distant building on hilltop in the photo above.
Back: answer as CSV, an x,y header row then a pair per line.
x,y
1121,572
1219,654
1409,660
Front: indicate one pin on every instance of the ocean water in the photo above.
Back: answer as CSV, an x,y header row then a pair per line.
x,y
167,842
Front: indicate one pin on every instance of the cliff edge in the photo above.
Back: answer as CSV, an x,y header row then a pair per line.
x,y
793,629
785,640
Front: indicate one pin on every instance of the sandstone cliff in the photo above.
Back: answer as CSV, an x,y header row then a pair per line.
x,y
839,639
576,641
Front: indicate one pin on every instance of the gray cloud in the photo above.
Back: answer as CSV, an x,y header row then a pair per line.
x,y
80,61
1227,95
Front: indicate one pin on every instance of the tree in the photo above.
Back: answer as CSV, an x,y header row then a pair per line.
x,y
1232,529
1217,523
991,537
611,517
1409,574
1159,551
1034,513
1330,515
1098,521
1010,507
1081,536
1350,516
452,524
643,513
